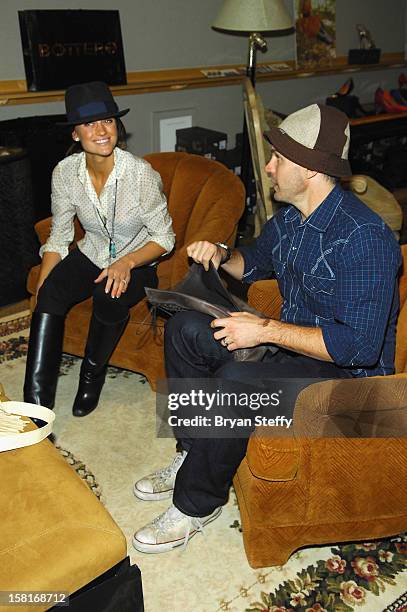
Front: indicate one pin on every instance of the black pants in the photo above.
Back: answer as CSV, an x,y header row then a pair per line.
x,y
72,281
204,479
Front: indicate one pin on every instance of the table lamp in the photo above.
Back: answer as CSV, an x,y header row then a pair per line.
x,y
253,17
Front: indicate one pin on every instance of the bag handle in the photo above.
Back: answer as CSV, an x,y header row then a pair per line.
x,y
10,441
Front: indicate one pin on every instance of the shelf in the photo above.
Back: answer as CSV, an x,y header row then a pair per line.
x,y
378,118
15,92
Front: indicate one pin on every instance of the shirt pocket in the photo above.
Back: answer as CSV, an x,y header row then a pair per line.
x,y
319,284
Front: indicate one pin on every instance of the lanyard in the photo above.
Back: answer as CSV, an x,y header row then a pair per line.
x,y
103,219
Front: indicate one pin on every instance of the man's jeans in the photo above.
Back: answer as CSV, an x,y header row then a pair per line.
x,y
204,479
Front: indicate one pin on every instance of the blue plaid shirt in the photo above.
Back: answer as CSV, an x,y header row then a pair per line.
x,y
336,270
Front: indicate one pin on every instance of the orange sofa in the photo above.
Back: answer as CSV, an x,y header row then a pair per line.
x,y
206,201
341,472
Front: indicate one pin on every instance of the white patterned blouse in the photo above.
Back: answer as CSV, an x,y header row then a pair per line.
x,y
131,209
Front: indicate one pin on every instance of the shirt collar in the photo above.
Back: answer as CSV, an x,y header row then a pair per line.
x,y
118,168
323,215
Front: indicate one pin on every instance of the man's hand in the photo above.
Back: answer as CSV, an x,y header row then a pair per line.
x,y
245,330
118,277
240,330
203,252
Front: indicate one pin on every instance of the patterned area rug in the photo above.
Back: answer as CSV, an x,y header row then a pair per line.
x,y
116,445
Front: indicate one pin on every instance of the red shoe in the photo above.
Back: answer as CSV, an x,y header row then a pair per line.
x,y
385,103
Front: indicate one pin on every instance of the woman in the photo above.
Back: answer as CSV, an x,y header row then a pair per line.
x,y
118,199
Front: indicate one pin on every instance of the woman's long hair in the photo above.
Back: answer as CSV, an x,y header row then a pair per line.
x,y
76,146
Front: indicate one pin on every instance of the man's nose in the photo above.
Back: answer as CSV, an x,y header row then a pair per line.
x,y
270,167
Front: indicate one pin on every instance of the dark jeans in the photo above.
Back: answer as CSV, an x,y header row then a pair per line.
x,y
204,479
72,281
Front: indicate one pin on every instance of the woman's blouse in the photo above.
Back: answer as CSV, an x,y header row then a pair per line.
x,y
131,209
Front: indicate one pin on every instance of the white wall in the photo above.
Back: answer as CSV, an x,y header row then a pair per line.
x,y
177,33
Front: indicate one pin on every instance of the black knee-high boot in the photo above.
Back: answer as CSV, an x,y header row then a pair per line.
x,y
102,339
43,358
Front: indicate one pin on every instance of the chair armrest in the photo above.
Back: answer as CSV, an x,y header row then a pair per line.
x,y
335,409
273,459
43,228
353,408
265,297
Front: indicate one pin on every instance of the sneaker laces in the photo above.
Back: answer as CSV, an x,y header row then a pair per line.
x,y
169,470
197,524
171,517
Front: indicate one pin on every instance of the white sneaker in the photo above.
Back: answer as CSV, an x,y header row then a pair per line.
x,y
159,484
170,529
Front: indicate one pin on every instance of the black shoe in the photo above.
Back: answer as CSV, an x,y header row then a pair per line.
x,y
43,358
102,340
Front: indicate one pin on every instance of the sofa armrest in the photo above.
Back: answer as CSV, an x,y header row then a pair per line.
x,y
353,408
265,297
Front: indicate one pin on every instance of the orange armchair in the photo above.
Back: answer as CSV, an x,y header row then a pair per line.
x,y
205,200
323,483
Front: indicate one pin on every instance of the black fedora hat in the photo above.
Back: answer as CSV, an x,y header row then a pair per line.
x,y
88,102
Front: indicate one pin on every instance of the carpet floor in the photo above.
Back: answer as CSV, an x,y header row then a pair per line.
x,y
116,444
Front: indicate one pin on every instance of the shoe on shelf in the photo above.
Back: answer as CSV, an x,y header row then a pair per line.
x,y
384,102
347,103
169,530
159,484
346,88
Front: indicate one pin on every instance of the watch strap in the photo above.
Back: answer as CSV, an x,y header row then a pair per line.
x,y
228,252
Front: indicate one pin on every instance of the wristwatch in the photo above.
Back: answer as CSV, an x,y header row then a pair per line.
x,y
228,252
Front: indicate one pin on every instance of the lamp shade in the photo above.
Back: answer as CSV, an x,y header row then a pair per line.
x,y
253,16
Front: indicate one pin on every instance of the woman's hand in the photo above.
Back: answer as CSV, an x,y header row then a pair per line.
x,y
118,277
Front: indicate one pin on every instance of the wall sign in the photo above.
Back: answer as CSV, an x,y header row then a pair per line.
x,y
64,47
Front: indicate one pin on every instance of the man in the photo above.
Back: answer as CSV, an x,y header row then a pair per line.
x,y
336,263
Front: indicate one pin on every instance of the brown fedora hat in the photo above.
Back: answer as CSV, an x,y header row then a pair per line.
x,y
88,102
316,137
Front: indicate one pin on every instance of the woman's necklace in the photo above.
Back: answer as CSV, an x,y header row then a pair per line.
x,y
112,244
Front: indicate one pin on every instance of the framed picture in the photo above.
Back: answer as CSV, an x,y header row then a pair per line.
x,y
316,32
64,47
